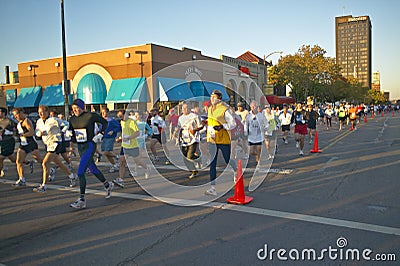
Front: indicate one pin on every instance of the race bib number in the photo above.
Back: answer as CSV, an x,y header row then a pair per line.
x,y
125,140
81,135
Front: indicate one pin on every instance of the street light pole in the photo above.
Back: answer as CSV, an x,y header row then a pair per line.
x,y
64,52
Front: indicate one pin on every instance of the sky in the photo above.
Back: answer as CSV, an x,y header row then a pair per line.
x,y
31,29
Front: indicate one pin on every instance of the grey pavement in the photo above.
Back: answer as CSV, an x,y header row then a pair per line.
x,y
345,198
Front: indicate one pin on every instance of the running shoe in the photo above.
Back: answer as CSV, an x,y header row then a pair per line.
x,y
109,189
211,192
301,153
30,163
51,174
78,204
98,158
297,144
72,181
147,172
40,189
20,183
194,174
119,182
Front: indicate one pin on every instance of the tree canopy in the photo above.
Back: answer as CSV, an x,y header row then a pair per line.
x,y
309,72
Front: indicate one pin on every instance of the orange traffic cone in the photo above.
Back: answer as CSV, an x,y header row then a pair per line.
x,y
315,149
383,113
239,197
373,115
365,119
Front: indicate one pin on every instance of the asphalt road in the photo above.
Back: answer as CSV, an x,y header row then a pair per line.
x,y
340,203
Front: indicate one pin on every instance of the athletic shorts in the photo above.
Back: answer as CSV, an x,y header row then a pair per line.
x,y
30,147
60,149
157,137
285,128
107,144
300,129
130,152
312,125
342,119
255,144
7,147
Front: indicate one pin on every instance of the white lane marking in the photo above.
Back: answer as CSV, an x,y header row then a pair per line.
x,y
326,165
251,210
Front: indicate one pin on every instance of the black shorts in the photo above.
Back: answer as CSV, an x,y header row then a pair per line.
x,y
134,152
342,119
285,128
7,147
32,145
255,144
60,149
312,125
157,137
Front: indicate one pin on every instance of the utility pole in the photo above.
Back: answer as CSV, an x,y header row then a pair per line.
x,y
64,52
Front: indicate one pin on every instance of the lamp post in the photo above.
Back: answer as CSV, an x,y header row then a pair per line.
x,y
265,61
141,61
64,55
33,67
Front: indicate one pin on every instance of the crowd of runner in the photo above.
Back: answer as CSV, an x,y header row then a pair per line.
x,y
201,135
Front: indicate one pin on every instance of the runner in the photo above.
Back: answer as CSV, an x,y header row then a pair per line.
x,y
311,117
300,129
27,145
189,137
342,114
353,117
129,147
157,125
285,117
7,141
82,125
49,129
173,123
220,121
273,124
328,115
242,140
254,130
107,144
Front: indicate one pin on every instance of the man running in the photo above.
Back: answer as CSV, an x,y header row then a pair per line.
x,y
300,128
157,125
49,129
312,117
7,141
220,122
285,118
107,145
27,145
129,146
189,137
254,129
82,125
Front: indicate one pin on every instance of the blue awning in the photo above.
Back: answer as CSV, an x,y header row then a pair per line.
x,y
131,90
11,96
92,89
29,97
54,96
173,90
205,88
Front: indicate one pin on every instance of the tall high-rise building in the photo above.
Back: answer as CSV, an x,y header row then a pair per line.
x,y
353,47
376,81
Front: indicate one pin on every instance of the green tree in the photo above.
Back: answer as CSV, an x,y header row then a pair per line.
x,y
308,72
